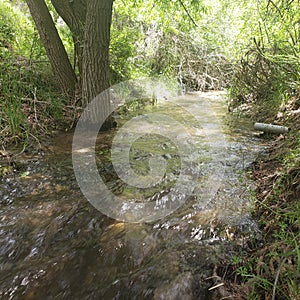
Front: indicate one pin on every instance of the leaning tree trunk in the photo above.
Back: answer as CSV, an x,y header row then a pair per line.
x,y
95,71
55,50
74,14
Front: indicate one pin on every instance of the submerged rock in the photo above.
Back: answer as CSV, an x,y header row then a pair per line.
x,y
179,288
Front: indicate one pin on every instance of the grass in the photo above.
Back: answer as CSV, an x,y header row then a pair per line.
x,y
272,269
29,105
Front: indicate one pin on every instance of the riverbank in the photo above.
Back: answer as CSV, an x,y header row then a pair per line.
x,y
271,269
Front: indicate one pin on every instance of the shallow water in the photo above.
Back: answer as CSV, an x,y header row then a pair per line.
x,y
55,244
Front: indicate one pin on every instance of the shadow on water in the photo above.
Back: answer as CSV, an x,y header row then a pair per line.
x,y
54,244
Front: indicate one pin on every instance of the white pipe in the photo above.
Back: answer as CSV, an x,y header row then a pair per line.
x,y
271,128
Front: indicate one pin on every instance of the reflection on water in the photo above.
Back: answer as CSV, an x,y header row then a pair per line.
x,y
54,244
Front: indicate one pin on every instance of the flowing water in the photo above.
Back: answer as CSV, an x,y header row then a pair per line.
x,y
55,244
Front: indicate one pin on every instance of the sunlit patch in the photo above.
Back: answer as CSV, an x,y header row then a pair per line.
x,y
84,150
163,151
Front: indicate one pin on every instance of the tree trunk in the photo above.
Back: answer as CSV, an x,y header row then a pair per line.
x,y
56,52
95,72
74,15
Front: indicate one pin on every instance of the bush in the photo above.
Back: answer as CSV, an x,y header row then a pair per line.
x,y
30,101
267,76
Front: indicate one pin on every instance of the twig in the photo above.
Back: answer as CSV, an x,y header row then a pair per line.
x,y
181,3
37,101
276,278
276,7
40,146
214,276
34,105
216,286
35,110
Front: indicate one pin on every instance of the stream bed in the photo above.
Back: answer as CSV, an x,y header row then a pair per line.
x,y
55,245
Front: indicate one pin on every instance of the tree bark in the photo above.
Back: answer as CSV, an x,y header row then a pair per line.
x,y
74,15
56,52
95,72
89,22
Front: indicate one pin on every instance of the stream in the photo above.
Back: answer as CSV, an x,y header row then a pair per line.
x,y
56,245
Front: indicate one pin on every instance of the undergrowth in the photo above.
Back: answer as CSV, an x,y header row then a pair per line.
x,y
31,104
271,269
275,268
266,87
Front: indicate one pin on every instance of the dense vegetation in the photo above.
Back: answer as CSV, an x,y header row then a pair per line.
x,y
147,39
250,48
266,87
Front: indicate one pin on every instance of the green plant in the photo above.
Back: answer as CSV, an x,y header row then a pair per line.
x,y
268,74
274,269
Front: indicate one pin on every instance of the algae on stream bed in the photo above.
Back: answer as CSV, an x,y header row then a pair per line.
x,y
55,244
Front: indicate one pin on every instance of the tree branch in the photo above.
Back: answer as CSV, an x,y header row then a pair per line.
x,y
182,4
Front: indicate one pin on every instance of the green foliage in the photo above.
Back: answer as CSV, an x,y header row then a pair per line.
x,y
27,86
124,34
195,42
268,74
17,32
25,92
7,30
273,270
190,41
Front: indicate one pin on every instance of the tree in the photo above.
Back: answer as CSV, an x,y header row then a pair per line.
x,y
90,22
74,15
55,50
95,71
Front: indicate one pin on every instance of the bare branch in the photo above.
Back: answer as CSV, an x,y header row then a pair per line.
x,y
182,4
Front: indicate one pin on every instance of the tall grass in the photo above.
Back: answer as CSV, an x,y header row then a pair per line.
x,y
30,102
